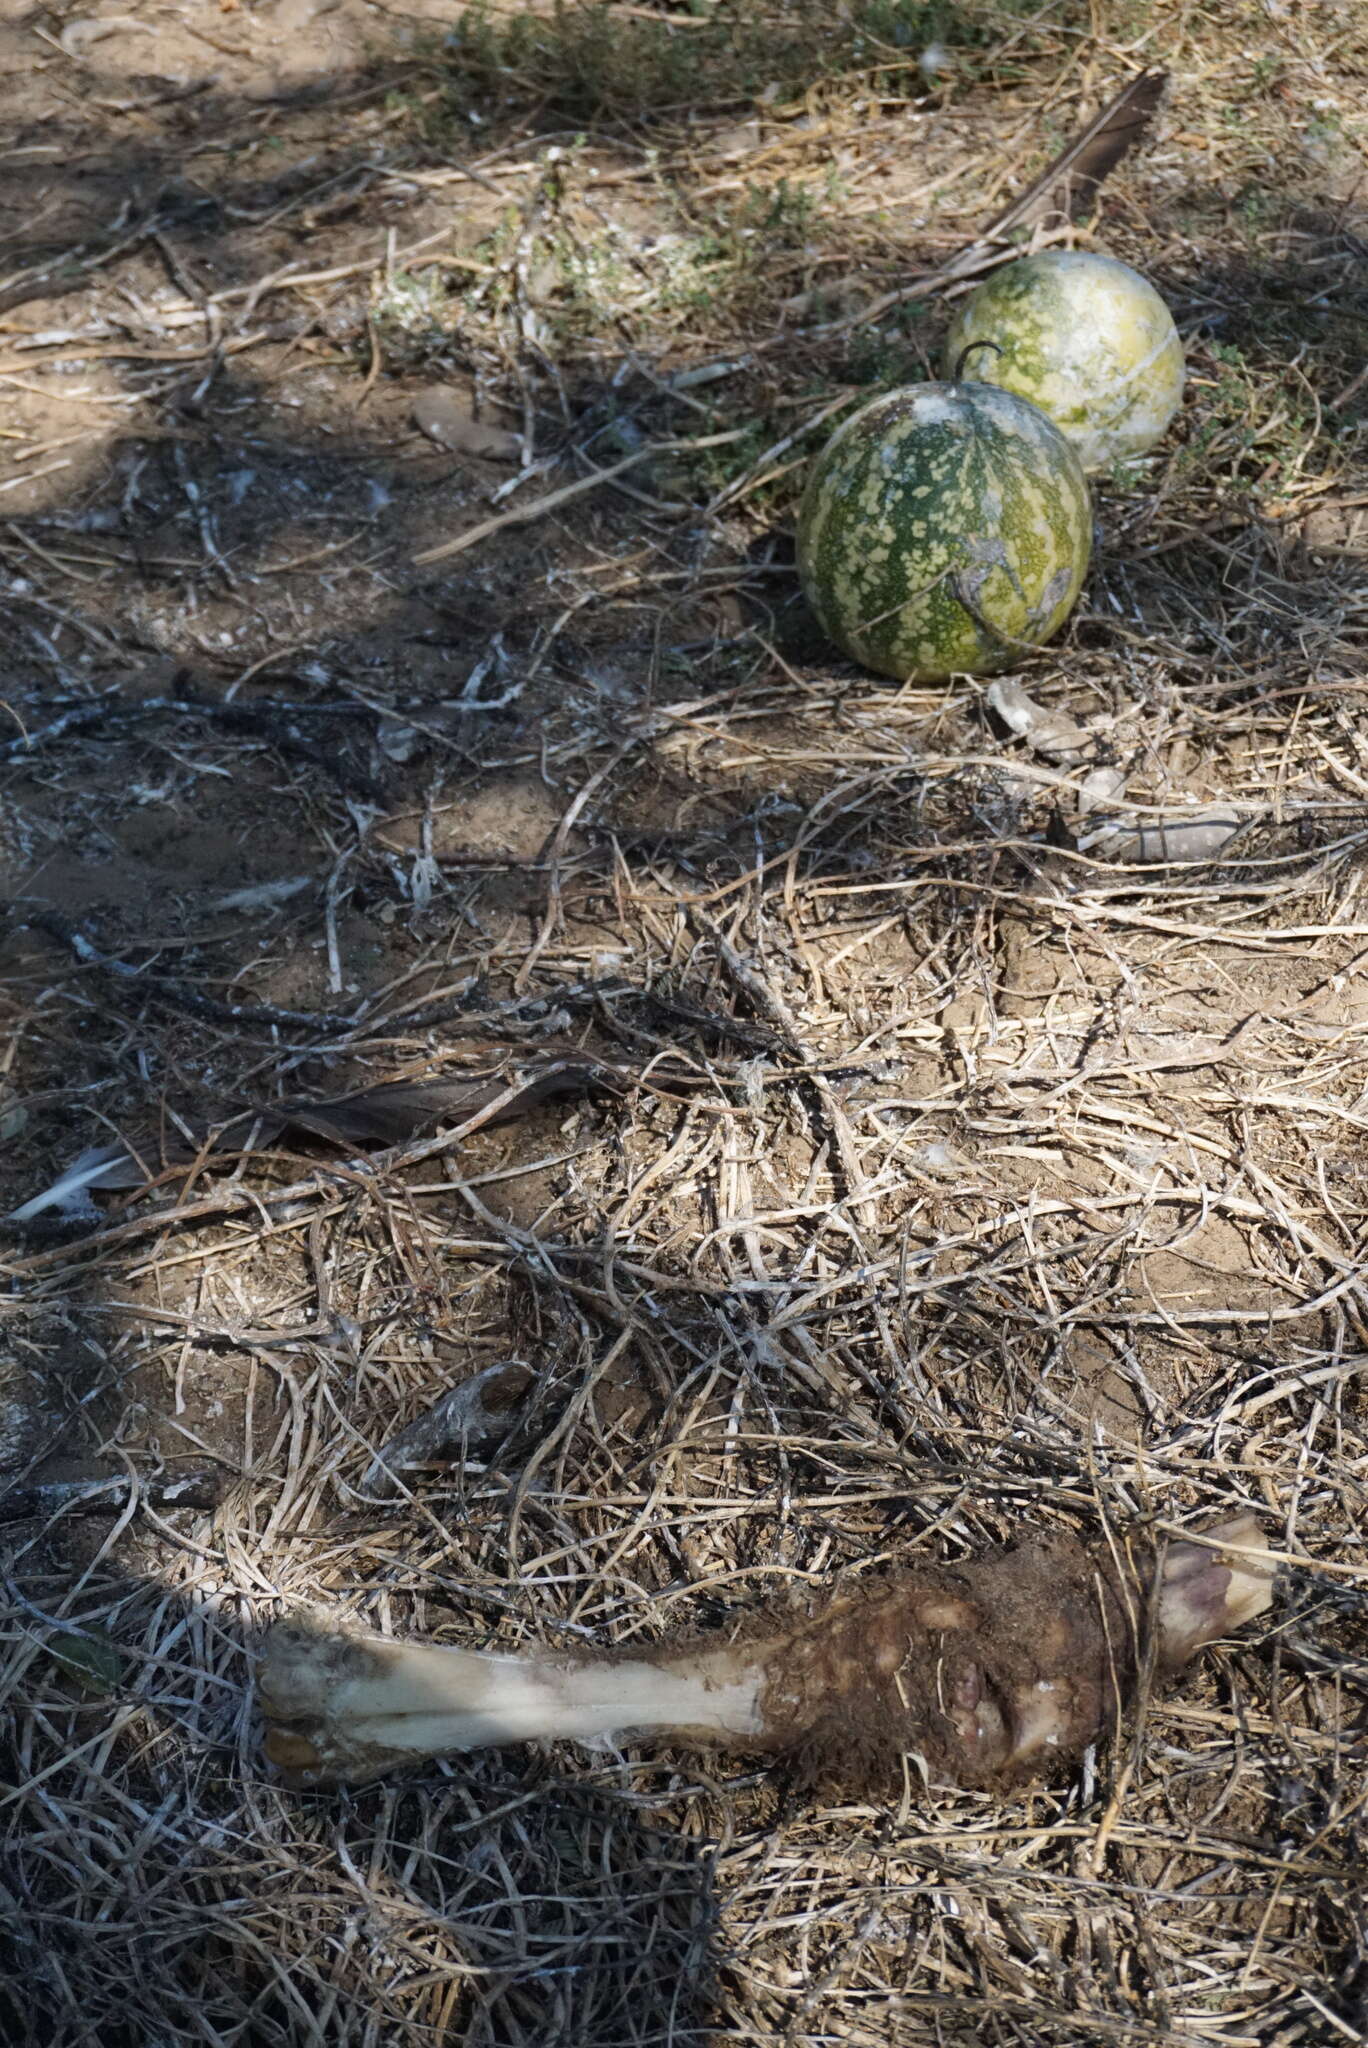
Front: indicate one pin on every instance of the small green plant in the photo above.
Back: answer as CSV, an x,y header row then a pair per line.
x,y
1254,424
1123,477
415,314
882,356
783,212
711,470
1256,206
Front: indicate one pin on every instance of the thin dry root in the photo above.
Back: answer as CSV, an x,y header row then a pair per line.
x,y
985,1670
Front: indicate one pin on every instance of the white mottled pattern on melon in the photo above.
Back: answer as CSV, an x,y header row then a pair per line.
x,y
1085,338
936,493
932,404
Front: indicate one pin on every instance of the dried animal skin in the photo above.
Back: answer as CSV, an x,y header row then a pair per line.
x,y
987,1670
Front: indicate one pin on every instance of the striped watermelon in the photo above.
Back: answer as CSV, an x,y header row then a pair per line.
x,y
942,527
1087,340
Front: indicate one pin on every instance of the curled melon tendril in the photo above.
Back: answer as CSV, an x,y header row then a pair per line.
x,y
957,374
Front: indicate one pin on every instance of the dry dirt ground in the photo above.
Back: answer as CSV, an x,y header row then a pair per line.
x,y
911,1150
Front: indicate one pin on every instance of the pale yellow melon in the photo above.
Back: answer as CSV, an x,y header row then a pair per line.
x,y
1083,337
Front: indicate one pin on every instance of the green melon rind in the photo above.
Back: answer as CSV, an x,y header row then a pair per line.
x,y
936,493
1085,338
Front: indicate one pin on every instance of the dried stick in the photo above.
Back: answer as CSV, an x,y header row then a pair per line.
x,y
537,508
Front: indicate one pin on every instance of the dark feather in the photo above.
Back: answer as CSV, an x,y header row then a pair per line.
x,y
393,1111
1069,184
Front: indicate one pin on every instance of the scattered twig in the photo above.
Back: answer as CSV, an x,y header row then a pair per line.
x,y
552,501
174,994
